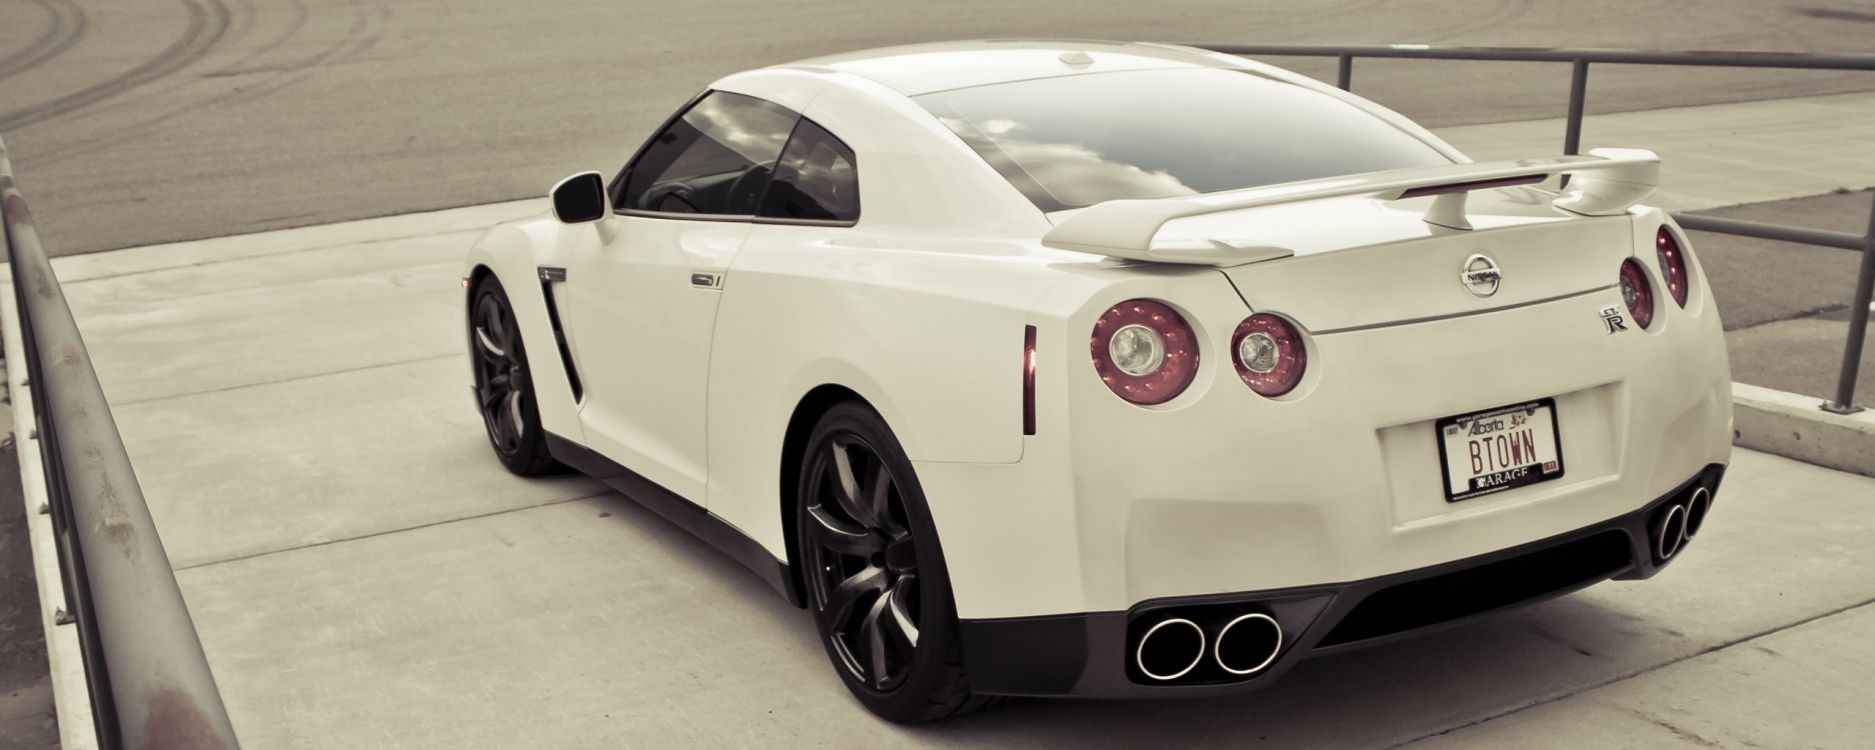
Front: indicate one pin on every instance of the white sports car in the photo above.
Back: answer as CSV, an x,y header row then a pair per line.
x,y
1038,368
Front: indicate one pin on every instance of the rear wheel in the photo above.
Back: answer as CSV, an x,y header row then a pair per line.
x,y
504,391
874,574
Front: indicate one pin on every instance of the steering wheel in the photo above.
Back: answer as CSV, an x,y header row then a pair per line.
x,y
743,193
654,198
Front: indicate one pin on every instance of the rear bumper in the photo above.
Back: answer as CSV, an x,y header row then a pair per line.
x,y
1086,654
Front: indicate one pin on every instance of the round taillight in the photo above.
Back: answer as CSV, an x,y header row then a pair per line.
x,y
1672,265
1144,351
1637,293
1269,353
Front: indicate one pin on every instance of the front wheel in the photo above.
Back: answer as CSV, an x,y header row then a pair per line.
x,y
875,577
504,391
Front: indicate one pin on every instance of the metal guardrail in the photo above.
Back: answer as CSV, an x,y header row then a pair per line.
x,y
1579,60
149,681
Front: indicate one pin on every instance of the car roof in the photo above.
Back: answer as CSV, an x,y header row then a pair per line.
x,y
917,69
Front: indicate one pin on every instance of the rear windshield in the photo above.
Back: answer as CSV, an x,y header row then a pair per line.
x,y
1075,141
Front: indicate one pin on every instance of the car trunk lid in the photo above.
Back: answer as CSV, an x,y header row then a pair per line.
x,y
1359,263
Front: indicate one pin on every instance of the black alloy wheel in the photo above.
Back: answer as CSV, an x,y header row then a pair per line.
x,y
503,390
874,575
866,563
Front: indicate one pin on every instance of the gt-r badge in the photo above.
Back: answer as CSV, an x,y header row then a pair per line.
x,y
1481,276
1614,320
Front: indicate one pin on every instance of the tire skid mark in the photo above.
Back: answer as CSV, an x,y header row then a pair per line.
x,y
300,16
68,27
242,18
366,29
208,22
22,59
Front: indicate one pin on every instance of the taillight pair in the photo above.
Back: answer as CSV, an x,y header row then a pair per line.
x,y
1638,293
1147,354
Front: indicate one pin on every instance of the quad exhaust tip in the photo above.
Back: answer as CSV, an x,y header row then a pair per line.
x,y
1248,644
1696,510
1672,531
1170,649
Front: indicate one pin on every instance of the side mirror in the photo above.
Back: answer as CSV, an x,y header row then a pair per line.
x,y
581,198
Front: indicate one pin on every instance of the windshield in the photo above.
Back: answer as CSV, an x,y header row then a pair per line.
x,y
1074,141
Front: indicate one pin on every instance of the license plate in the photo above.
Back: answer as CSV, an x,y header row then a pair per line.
x,y
1500,449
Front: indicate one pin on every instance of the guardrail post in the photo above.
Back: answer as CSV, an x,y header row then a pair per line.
x,y
1344,73
1858,326
1578,96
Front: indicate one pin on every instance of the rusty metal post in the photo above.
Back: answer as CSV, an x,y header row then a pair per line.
x,y
1858,326
161,692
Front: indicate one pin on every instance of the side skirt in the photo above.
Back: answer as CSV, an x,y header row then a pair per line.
x,y
674,508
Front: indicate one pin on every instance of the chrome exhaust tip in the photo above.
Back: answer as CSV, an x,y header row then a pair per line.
x,y
1248,644
1696,508
1170,649
1671,533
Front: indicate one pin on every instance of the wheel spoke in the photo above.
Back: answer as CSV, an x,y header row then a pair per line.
x,y
514,414
877,497
841,536
491,396
847,487
841,599
508,333
904,627
499,428
872,638
486,347
846,483
490,313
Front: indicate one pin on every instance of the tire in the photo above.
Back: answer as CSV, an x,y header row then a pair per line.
x,y
874,575
504,389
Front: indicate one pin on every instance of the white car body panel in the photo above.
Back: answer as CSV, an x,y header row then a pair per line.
x,y
641,331
920,310
1156,515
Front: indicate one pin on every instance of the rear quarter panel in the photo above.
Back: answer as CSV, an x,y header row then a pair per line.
x,y
933,340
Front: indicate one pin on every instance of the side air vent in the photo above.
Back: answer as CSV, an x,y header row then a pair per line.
x,y
549,277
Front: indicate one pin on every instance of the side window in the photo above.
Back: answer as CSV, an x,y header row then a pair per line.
x,y
815,178
715,159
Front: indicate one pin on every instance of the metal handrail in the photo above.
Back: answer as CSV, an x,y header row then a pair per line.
x,y
148,679
1579,60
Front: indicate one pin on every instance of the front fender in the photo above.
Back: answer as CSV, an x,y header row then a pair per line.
x,y
513,253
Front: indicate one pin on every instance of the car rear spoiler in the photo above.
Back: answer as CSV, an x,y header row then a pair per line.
x,y
1606,182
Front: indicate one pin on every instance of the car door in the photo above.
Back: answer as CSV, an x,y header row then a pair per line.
x,y
641,295
811,203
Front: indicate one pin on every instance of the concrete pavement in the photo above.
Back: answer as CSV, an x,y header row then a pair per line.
x,y
364,574
136,121
593,623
